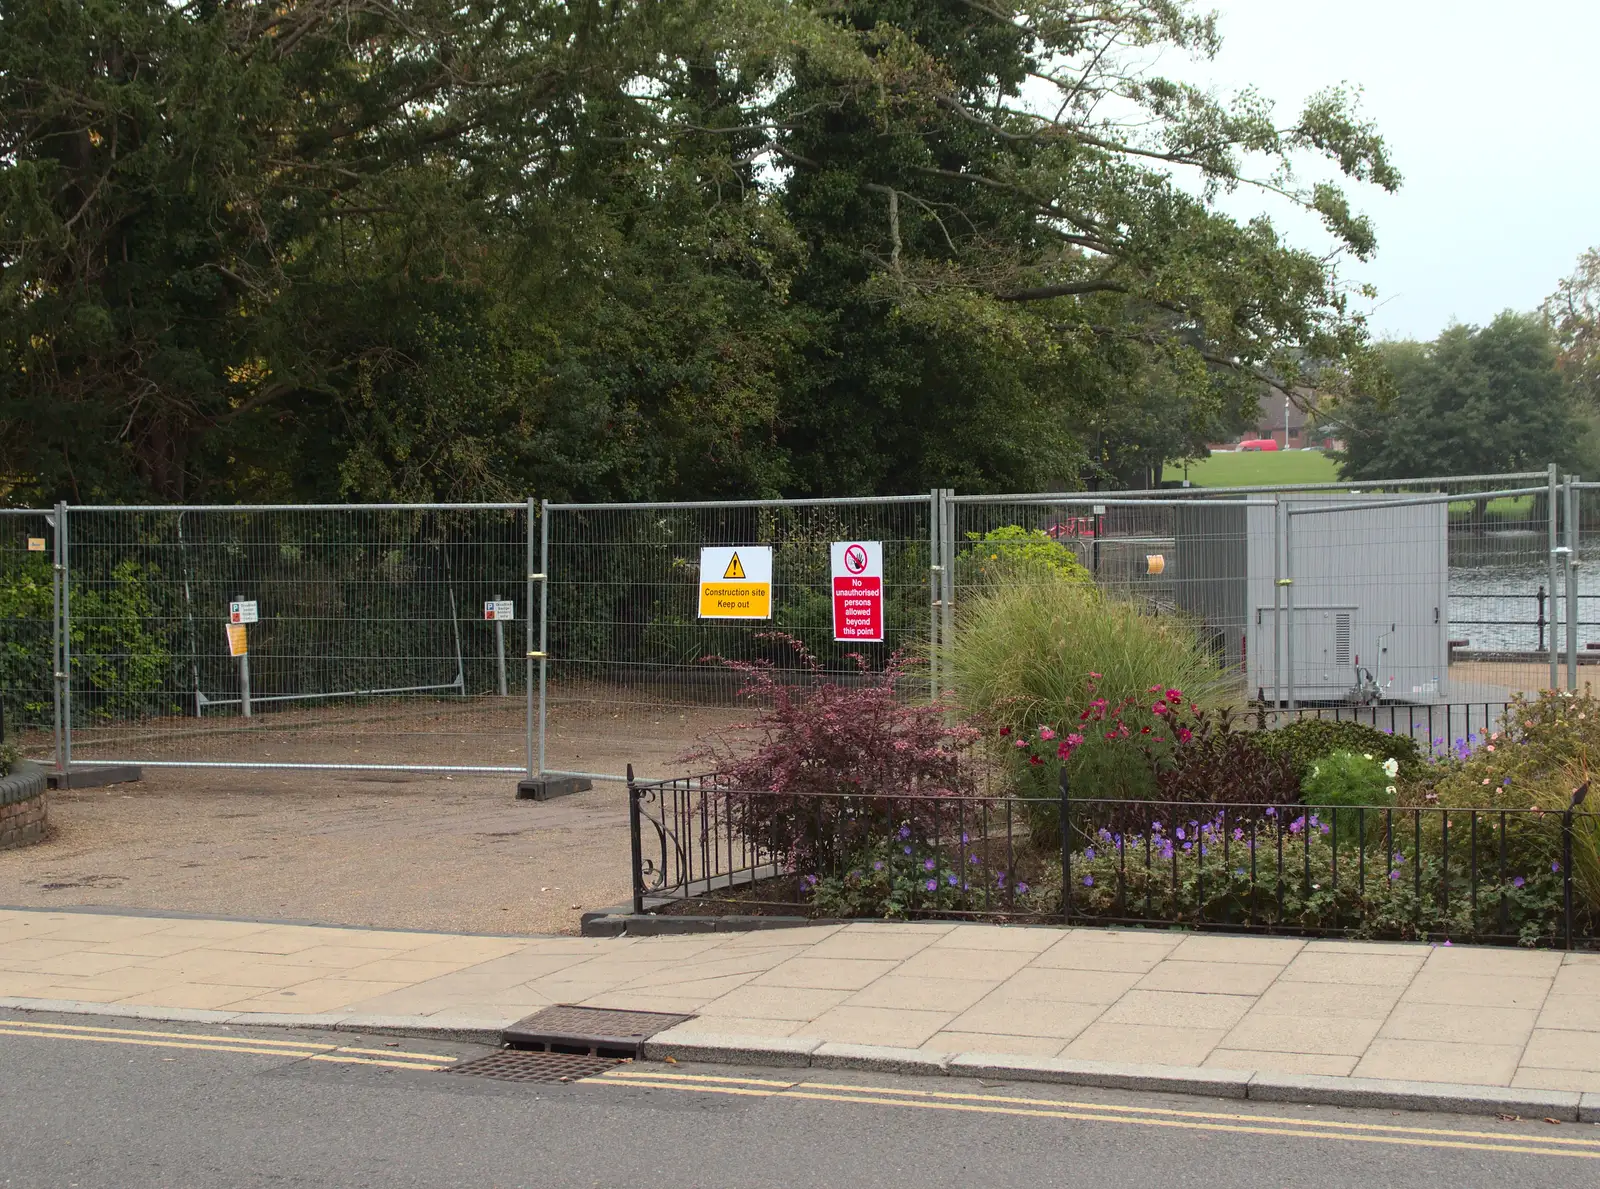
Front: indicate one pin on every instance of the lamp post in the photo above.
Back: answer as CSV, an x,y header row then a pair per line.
x,y
1285,422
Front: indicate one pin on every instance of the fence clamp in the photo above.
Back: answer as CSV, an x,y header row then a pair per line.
x,y
1285,581
937,569
538,577
537,656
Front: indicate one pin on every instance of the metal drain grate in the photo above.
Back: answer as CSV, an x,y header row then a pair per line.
x,y
519,1065
599,1032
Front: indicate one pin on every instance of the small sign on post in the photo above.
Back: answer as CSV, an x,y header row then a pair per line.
x,y
35,544
498,611
240,613
736,582
858,591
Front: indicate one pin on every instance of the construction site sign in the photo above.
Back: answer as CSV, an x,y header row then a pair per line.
x,y
736,582
238,642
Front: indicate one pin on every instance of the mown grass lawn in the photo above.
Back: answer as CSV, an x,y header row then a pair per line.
x,y
1258,468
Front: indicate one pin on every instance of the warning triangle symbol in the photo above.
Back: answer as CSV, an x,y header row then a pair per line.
x,y
734,570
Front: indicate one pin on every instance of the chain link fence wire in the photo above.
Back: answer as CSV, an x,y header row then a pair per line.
x,y
372,647
27,630
629,674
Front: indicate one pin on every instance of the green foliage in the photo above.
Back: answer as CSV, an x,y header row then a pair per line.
x,y
686,247
27,601
1011,550
1348,778
121,661
1410,893
899,876
1306,740
1474,401
9,755
1536,763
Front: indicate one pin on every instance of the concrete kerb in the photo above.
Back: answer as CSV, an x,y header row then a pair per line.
x,y
800,1052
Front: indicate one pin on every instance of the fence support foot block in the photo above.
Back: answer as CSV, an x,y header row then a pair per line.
x,y
95,777
544,788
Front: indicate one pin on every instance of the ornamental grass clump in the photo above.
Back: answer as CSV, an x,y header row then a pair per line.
x,y
1034,649
828,768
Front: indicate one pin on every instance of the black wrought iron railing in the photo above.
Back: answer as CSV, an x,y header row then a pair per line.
x,y
1438,729
1488,875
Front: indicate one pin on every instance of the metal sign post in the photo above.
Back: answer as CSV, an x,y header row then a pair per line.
x,y
1571,513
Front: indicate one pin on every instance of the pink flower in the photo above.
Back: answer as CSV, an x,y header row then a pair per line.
x,y
1035,760
1159,708
1046,733
1064,750
1004,731
1021,743
1095,676
1155,689
1185,734
1175,696
1074,740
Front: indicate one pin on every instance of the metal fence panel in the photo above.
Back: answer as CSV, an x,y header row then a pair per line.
x,y
629,673
28,630
372,648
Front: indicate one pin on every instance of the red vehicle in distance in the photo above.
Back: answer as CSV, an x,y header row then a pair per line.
x,y
1260,444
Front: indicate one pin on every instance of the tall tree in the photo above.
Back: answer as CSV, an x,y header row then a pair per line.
x,y
350,248
1573,311
1474,401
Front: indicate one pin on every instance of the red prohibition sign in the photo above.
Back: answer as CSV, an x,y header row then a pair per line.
x,y
855,559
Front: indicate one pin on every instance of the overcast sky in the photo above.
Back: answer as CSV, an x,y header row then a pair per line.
x,y
1492,113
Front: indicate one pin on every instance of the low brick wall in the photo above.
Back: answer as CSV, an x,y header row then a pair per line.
x,y
23,812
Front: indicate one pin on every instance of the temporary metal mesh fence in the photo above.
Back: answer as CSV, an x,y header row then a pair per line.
x,y
28,630
1183,558
631,658
372,647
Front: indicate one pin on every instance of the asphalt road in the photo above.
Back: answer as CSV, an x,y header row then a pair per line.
x,y
104,1102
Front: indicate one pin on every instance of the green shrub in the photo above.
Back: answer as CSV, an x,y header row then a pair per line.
x,y
999,554
1545,752
1350,778
1344,779
8,758
1307,740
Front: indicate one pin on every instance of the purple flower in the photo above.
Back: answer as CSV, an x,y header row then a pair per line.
x,y
933,885
1555,866
972,858
1022,889
908,850
1088,881
905,832
1089,854
928,864
1181,835
952,880
811,881
1394,875
964,838
878,865
1518,882
1271,812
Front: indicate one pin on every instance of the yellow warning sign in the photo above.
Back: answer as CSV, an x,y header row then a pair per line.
x,y
238,642
736,582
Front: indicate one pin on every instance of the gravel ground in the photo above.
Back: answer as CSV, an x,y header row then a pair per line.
x,y
388,849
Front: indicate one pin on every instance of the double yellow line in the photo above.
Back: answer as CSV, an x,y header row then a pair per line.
x,y
1100,1112
301,1049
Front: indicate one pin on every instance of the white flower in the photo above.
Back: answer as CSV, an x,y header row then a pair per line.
x,y
1391,790
1391,768
1367,754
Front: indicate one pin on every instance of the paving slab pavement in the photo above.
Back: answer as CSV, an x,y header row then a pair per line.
x,y
1468,1016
